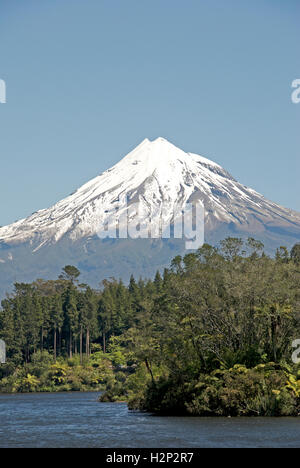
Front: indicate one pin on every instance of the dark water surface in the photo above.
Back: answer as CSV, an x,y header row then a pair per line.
x,y
78,420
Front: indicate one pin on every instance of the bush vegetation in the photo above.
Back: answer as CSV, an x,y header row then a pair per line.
x,y
211,336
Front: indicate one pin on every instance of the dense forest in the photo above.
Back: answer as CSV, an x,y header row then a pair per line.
x,y
212,335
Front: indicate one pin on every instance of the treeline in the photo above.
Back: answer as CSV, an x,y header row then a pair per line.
x,y
216,335
211,335
64,317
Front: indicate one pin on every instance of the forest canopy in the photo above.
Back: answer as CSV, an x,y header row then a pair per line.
x,y
212,334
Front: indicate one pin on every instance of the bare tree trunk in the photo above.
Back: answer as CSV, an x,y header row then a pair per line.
x,y
42,339
54,345
88,342
59,340
80,345
104,342
150,370
70,345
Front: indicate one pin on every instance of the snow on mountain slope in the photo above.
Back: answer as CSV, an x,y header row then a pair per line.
x,y
158,175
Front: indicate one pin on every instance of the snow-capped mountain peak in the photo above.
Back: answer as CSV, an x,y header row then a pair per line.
x,y
157,175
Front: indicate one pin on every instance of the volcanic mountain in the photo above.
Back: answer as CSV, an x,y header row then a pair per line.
x,y
158,176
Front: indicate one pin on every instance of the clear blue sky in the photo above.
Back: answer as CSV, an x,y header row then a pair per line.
x,y
87,80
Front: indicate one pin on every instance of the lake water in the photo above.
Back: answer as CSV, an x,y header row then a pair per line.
x,y
78,420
